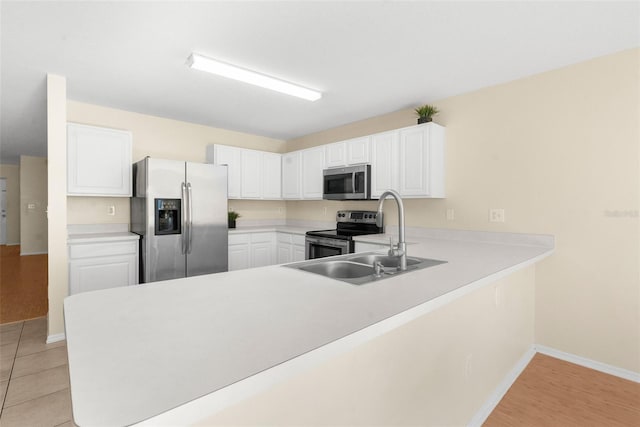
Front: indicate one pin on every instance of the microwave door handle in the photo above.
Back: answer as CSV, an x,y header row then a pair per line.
x,y
353,183
184,218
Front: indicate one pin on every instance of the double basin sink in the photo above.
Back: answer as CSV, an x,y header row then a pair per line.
x,y
358,269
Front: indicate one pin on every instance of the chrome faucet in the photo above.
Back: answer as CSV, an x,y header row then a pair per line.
x,y
400,250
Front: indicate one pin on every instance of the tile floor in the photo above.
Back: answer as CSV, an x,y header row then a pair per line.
x,y
34,377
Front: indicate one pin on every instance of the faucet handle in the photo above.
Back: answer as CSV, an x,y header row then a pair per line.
x,y
378,269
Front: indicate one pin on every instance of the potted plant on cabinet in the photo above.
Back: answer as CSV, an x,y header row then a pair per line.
x,y
232,218
425,113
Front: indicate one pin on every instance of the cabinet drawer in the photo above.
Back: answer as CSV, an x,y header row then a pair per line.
x,y
90,250
239,239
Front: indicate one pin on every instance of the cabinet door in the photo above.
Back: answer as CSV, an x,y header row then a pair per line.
x,y
261,254
285,252
92,274
384,162
232,157
358,150
271,176
298,253
98,161
312,166
251,170
336,154
291,176
419,158
239,256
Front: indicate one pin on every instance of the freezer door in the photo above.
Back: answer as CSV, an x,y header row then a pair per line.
x,y
207,223
164,256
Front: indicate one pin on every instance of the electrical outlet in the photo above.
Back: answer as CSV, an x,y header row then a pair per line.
x,y
324,211
451,214
111,210
496,215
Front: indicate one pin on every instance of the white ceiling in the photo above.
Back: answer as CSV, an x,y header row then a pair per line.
x,y
369,58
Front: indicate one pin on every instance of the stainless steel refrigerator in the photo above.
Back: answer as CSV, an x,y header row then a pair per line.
x,y
180,210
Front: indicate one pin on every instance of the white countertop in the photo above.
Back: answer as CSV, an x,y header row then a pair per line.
x,y
270,228
136,352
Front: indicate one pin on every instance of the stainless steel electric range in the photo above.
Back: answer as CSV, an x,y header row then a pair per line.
x,y
324,243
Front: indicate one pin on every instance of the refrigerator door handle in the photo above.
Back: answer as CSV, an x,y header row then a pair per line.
x,y
190,193
185,216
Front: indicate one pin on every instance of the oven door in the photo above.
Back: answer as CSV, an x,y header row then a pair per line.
x,y
320,247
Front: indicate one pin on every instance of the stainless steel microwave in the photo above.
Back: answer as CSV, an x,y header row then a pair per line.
x,y
348,183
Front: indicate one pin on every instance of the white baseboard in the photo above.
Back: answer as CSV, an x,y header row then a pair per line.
x,y
492,401
588,363
33,253
55,338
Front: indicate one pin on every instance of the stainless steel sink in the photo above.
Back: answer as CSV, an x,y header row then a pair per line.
x,y
339,269
358,269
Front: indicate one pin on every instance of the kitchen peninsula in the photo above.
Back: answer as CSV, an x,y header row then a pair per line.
x,y
197,350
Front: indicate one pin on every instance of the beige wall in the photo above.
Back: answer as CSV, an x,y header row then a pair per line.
x,y
57,199
168,139
33,205
437,370
560,152
12,174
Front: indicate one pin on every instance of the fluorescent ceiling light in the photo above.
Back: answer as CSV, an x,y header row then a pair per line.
x,y
209,65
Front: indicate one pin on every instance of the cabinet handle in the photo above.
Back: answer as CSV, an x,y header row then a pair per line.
x,y
190,217
184,218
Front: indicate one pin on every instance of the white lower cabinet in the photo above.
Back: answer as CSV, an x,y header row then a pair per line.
x,y
290,248
95,266
250,250
239,255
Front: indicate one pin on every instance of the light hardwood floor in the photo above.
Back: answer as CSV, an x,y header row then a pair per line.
x,y
23,285
552,392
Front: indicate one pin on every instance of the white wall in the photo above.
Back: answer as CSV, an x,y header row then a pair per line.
x,y
33,205
57,200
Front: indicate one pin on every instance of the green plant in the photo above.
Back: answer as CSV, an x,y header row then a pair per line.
x,y
426,111
233,215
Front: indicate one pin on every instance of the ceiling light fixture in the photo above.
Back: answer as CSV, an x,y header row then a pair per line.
x,y
213,66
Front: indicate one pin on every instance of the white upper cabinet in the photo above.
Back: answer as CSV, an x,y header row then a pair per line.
x,y
384,162
253,174
271,176
358,150
421,166
98,161
312,167
292,175
232,157
251,169
409,160
345,153
335,154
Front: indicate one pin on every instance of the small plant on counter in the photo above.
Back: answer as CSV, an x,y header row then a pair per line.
x,y
233,215
425,113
